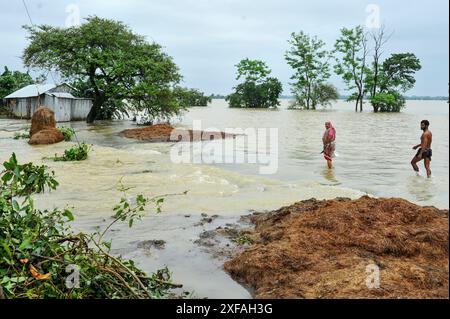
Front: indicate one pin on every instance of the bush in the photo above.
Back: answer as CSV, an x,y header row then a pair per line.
x,y
39,252
68,133
388,102
78,152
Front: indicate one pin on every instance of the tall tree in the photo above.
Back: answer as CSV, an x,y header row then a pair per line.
x,y
258,89
380,39
252,70
104,59
352,62
310,62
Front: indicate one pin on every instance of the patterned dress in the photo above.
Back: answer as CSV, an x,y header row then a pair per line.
x,y
330,147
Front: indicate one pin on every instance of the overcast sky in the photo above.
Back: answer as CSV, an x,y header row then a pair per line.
x,y
207,38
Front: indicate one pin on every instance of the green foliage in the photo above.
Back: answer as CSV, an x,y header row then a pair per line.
x,y
388,102
78,152
103,59
36,248
26,179
191,97
398,72
396,76
252,70
18,136
244,240
352,64
13,81
68,133
258,90
310,62
324,95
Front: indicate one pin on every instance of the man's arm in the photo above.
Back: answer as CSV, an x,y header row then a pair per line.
x,y
421,142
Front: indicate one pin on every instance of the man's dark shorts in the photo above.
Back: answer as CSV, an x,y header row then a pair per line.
x,y
427,154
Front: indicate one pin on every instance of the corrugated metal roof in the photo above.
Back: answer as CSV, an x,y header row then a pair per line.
x,y
62,95
31,91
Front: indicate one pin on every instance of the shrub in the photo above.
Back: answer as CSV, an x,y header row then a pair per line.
x,y
78,152
388,102
68,133
38,251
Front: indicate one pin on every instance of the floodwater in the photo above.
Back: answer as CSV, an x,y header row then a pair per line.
x,y
374,154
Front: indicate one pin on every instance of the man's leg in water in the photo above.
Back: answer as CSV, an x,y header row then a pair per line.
x,y
330,164
414,162
427,163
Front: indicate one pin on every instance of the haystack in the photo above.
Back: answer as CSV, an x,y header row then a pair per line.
x,y
365,248
43,128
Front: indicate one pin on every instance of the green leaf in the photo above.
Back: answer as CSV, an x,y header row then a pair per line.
x,y
6,248
25,244
16,206
68,214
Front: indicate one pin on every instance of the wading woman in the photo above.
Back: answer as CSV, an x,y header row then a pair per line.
x,y
329,144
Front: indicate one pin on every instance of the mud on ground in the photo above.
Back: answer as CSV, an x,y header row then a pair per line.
x,y
167,133
328,249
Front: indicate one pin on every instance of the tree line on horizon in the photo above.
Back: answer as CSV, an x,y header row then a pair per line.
x,y
123,73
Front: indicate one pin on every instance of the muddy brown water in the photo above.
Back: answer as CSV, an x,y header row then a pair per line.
x,y
374,149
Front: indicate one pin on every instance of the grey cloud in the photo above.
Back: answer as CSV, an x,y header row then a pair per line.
x,y
207,38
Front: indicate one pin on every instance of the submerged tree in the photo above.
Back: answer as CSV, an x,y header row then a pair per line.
x,y
310,62
191,97
258,89
379,39
105,60
352,64
324,95
396,76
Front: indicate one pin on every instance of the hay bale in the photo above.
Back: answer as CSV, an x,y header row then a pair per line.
x,y
321,249
45,137
42,119
43,128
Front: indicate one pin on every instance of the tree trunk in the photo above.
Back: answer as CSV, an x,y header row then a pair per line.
x,y
92,114
375,79
361,103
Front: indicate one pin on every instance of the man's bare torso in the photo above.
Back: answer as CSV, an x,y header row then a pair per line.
x,y
426,139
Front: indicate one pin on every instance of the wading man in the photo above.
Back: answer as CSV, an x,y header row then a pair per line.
x,y
329,144
424,153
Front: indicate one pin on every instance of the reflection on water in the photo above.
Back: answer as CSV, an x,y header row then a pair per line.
x,y
329,175
422,188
